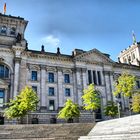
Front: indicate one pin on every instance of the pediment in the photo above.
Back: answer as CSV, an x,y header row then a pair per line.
x,y
94,56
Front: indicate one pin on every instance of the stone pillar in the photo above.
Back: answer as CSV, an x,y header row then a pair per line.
x,y
16,76
6,95
12,86
84,76
43,86
79,86
107,84
112,86
60,87
75,95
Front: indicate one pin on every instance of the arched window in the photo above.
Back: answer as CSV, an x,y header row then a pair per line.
x,y
129,58
4,71
13,31
133,56
3,29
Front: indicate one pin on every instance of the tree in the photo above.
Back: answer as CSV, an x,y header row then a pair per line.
x,y
91,99
125,85
136,102
69,111
23,103
111,109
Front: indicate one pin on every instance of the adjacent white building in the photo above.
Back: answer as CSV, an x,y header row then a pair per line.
x,y
54,76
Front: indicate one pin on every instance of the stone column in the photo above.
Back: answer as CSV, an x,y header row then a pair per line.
x,y
60,87
84,76
75,95
6,95
16,76
107,85
12,86
79,86
111,85
43,86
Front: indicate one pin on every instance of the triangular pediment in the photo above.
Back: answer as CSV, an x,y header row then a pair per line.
x,y
94,56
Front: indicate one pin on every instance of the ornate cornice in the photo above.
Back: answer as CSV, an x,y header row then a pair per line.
x,y
6,50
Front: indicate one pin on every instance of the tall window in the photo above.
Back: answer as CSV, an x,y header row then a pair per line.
x,y
99,78
94,78
34,76
67,92
51,91
89,77
4,72
51,105
3,29
13,31
34,88
66,78
1,97
51,77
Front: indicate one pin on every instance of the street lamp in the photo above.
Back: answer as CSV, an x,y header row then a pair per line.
x,y
118,106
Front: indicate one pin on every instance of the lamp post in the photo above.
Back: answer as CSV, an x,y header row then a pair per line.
x,y
118,105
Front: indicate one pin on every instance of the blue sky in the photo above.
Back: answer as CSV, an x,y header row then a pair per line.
x,y
85,24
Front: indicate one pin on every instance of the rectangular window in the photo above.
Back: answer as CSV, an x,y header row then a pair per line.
x,y
89,77
67,92
34,76
66,78
51,91
34,88
94,78
1,97
51,105
99,78
138,84
51,77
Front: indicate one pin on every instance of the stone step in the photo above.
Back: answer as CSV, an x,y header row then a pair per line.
x,y
127,128
112,137
45,131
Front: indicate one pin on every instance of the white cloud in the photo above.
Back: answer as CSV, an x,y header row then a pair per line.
x,y
51,41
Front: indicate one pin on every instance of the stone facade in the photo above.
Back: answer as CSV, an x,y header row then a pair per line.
x,y
55,76
131,55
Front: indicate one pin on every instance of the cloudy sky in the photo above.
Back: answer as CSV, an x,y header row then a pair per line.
x,y
85,24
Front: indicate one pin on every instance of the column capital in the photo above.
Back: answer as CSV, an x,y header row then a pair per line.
x,y
43,67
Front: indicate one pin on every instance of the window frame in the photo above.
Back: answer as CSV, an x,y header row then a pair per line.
x,y
34,77
3,30
51,77
67,92
51,91
66,78
53,105
3,98
5,73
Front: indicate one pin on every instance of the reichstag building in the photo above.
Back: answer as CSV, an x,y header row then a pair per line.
x,y
54,76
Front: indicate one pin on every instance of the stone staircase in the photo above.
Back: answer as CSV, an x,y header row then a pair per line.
x,y
127,128
70,131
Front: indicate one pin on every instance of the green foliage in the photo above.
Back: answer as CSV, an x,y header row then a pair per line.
x,y
91,98
111,109
125,85
69,111
136,102
23,103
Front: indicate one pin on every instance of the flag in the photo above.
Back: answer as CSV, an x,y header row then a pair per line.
x,y
4,9
134,38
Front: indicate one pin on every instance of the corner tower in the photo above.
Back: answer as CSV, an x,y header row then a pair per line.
x,y
12,30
